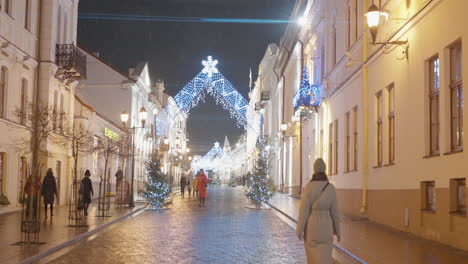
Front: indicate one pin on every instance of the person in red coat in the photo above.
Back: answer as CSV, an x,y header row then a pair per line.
x,y
202,184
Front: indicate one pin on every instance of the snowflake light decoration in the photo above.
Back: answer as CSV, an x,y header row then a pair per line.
x,y
210,66
209,81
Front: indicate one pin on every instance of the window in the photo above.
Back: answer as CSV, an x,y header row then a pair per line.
x,y
330,149
355,20
27,15
312,144
24,101
391,123
456,97
65,28
23,176
3,89
95,155
8,7
347,142
55,113
434,97
348,37
59,25
334,42
458,196
335,134
379,128
61,114
428,196
321,142
2,171
355,139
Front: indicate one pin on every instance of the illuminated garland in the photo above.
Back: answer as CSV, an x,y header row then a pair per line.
x,y
210,81
307,95
211,158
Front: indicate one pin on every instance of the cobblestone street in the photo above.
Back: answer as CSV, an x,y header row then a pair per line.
x,y
223,232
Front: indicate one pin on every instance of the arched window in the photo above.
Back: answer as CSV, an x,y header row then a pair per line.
x,y
65,28
3,89
24,101
59,25
27,15
2,171
9,7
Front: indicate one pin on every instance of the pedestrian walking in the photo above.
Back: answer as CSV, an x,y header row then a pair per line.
x,y
189,184
183,182
195,187
86,191
49,191
318,217
202,185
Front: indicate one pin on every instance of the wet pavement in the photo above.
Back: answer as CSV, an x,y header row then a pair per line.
x,y
376,243
223,232
54,231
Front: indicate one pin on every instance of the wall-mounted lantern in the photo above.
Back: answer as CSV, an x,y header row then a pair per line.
x,y
374,17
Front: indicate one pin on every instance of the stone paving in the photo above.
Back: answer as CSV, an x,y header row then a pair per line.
x,y
223,232
375,243
54,231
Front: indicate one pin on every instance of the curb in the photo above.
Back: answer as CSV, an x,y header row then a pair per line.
x,y
78,238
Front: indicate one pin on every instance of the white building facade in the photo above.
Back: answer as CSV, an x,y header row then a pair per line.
x,y
37,52
390,125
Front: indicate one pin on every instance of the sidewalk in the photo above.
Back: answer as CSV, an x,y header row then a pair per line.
x,y
54,232
374,243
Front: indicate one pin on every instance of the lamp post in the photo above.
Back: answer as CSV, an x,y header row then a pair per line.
x,y
142,115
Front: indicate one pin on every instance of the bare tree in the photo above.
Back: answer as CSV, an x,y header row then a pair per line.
x,y
107,149
78,139
42,122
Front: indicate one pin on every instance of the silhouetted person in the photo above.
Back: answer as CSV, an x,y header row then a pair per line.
x,y
202,184
86,190
49,191
183,182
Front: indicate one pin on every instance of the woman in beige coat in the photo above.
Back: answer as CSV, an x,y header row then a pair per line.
x,y
318,217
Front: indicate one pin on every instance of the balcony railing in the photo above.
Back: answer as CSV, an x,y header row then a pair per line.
x,y
71,63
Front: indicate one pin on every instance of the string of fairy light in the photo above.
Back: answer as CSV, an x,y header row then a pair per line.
x,y
208,81
307,94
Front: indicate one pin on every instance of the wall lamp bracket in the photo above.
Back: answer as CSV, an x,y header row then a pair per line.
x,y
392,45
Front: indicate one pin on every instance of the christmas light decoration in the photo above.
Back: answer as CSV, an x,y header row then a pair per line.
x,y
211,158
157,187
308,96
259,190
208,81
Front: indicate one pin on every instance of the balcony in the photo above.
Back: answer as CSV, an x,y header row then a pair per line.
x,y
71,63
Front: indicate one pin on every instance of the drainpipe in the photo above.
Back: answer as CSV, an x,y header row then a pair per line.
x,y
365,118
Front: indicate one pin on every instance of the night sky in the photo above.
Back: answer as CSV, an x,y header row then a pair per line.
x,y
174,50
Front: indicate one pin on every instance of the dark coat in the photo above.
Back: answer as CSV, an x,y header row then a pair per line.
x,y
86,190
183,181
49,189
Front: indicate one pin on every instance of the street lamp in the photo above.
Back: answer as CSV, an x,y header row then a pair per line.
x,y
373,19
177,141
143,115
187,150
